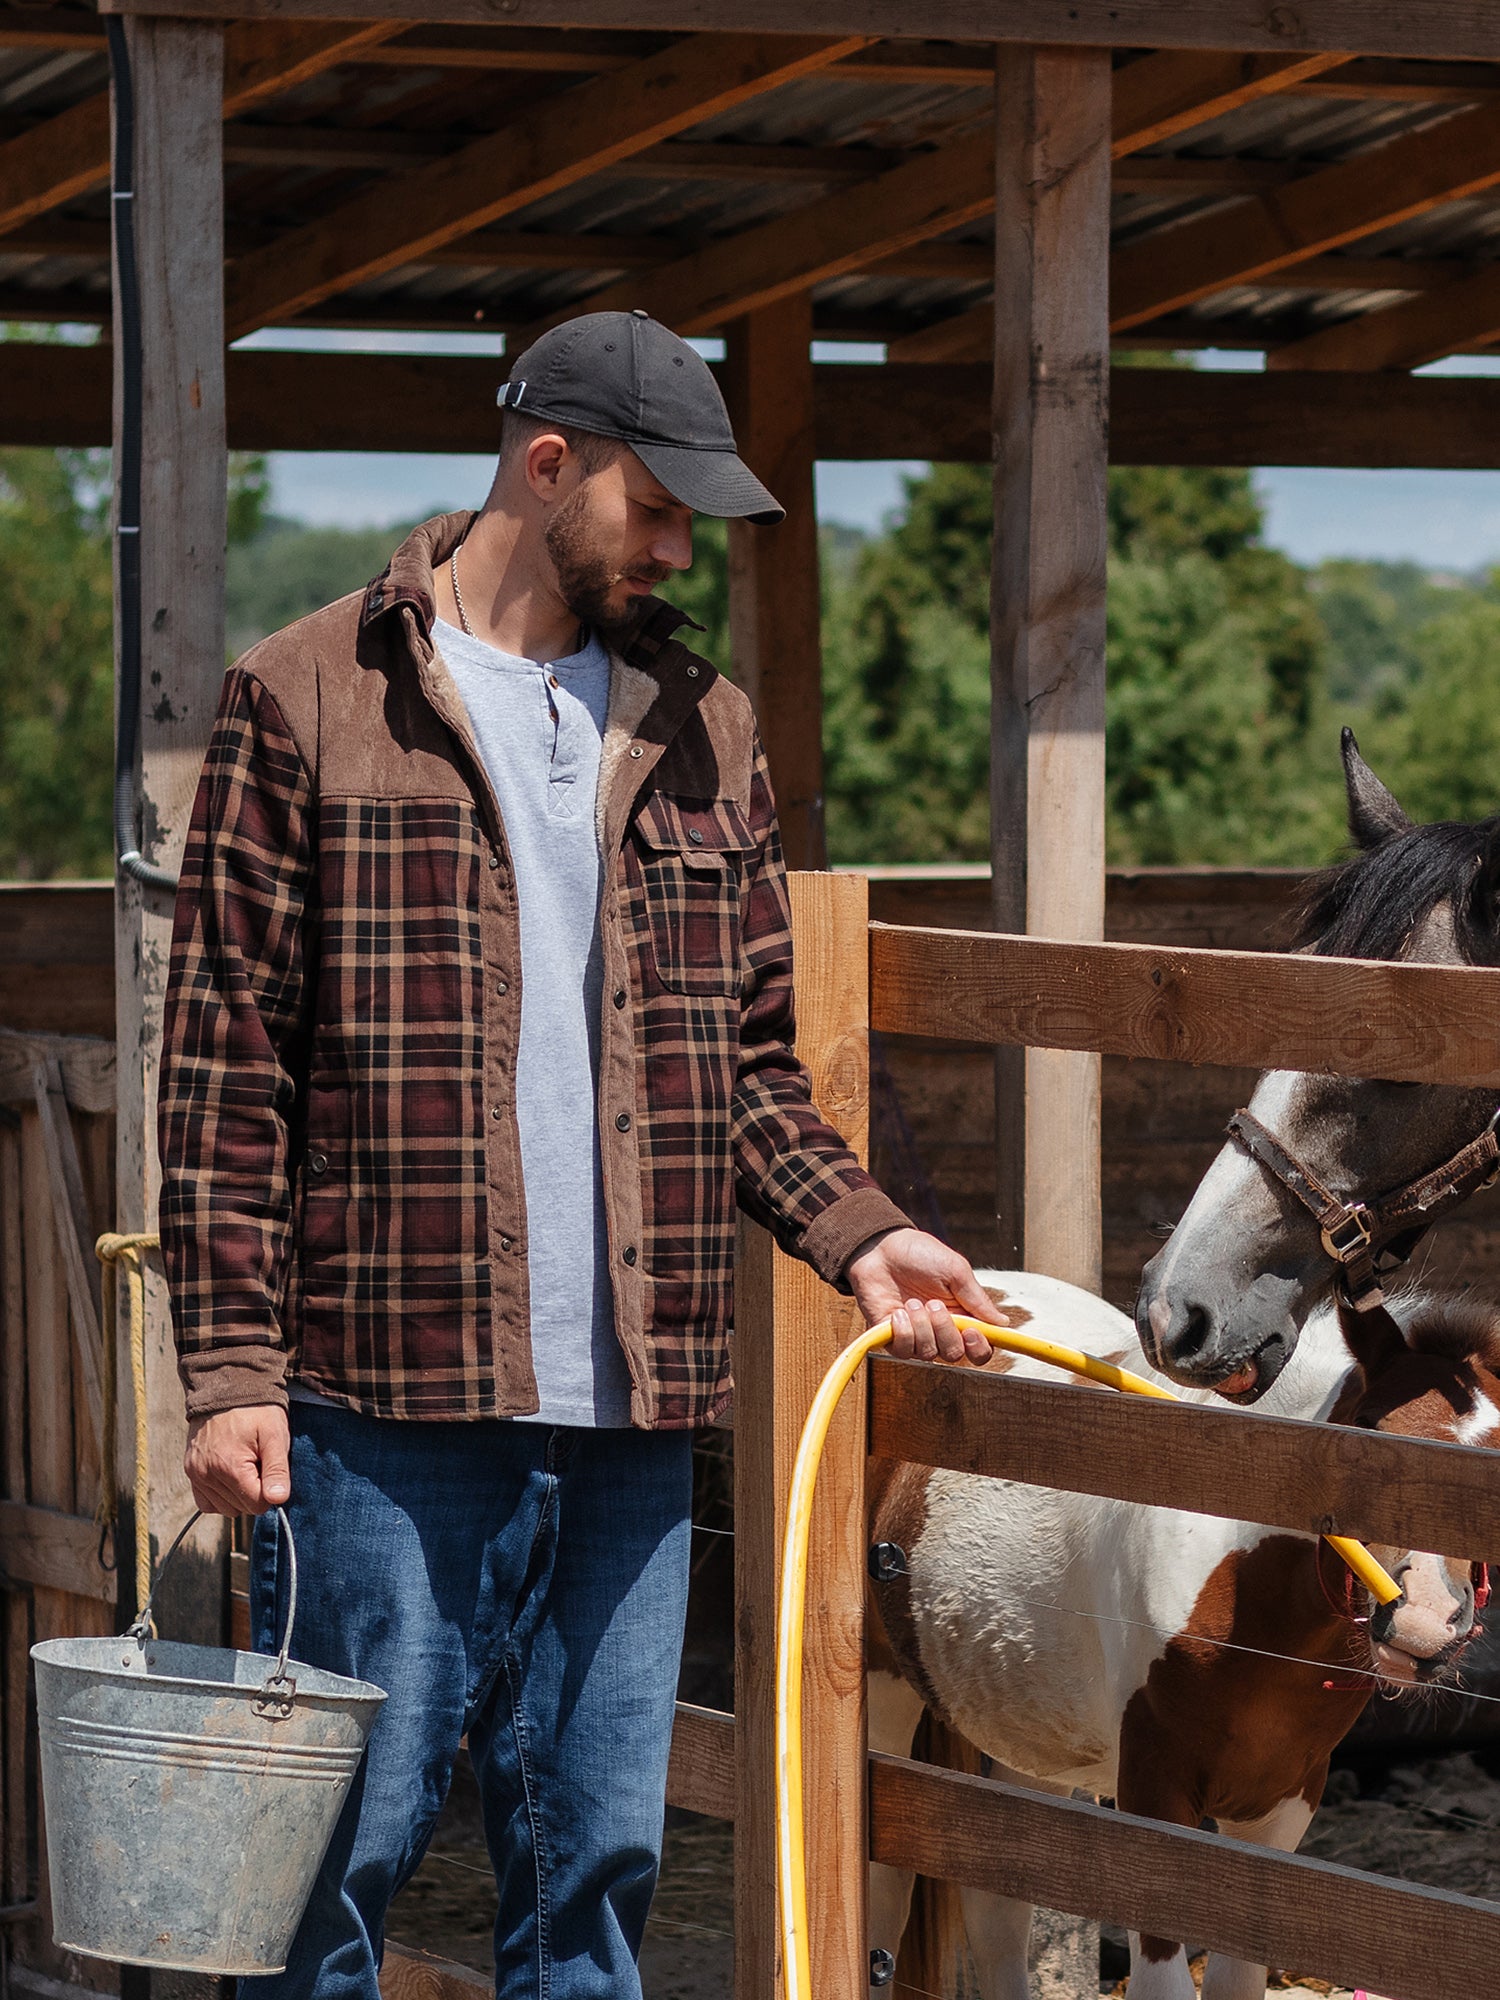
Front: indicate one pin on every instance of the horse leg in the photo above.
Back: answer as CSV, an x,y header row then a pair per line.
x,y
1150,1786
999,1927
1282,1827
895,1710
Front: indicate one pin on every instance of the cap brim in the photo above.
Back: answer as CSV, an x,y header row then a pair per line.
x,y
711,482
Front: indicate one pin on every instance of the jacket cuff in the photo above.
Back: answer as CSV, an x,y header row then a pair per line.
x,y
832,1238
233,1377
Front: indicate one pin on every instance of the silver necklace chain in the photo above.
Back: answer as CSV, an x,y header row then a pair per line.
x,y
458,596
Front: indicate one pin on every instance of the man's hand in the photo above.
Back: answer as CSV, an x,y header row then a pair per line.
x,y
912,1280
236,1460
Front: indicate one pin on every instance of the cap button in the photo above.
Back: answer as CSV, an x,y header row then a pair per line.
x,y
639,312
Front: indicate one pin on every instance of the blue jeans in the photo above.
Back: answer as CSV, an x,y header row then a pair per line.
x,y
525,1583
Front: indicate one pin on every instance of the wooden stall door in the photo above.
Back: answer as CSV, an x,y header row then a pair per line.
x,y
56,1194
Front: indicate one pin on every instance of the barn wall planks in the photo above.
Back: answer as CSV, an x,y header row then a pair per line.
x,y
52,1583
1236,1464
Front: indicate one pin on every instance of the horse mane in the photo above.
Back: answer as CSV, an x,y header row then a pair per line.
x,y
1369,905
1453,1329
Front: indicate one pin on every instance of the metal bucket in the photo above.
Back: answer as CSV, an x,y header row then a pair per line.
x,y
190,1792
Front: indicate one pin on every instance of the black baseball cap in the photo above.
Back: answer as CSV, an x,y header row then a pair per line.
x,y
625,375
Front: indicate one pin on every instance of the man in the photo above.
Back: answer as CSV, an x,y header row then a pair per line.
x,y
478,1027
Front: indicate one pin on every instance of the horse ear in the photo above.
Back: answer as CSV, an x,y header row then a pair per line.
x,y
1374,814
1373,1337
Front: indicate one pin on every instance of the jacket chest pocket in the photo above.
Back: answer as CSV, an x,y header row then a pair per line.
x,y
692,856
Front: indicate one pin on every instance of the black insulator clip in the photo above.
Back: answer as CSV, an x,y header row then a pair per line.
x,y
887,1562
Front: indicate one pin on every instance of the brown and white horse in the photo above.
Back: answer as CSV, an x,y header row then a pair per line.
x,y
1187,1667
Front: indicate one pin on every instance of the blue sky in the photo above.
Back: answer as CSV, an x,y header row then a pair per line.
x,y
1448,520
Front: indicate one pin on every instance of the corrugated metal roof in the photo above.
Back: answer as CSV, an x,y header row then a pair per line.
x,y
367,123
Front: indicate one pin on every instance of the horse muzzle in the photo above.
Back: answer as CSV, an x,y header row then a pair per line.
x,y
1419,1639
1234,1355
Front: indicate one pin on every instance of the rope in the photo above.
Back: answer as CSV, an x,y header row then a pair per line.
x,y
115,1249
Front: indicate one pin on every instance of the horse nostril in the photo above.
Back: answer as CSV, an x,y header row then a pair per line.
x,y
1189,1332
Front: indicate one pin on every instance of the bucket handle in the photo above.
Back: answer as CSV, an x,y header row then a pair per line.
x,y
277,1694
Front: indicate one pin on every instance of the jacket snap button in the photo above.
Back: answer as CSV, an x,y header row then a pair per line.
x,y
628,1253
622,1123
506,1243
494,857
636,750
502,986
695,835
318,1163
496,1112
619,996
692,673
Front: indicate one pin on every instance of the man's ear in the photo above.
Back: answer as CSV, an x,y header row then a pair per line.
x,y
1374,813
546,457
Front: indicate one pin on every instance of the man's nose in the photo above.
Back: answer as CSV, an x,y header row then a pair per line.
x,y
673,547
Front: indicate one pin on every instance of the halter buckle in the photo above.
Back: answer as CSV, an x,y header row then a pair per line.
x,y
1350,1236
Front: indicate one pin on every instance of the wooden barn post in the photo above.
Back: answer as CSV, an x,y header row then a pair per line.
x,y
775,643
1047,613
788,1327
177,69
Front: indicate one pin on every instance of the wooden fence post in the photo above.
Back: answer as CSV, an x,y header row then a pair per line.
x,y
179,225
788,1327
774,631
1047,784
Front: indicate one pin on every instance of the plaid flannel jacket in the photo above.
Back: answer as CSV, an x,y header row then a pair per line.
x,y
342,1199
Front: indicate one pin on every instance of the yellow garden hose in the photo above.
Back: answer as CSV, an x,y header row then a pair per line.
x,y
115,1249
791,1861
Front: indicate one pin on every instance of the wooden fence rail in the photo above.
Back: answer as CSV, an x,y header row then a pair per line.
x,y
1313,1478
1339,1016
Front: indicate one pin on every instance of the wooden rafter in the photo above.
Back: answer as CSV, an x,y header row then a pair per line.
x,y
560,142
69,154
1324,209
1161,96
967,336
385,151
843,232
1419,329
1156,97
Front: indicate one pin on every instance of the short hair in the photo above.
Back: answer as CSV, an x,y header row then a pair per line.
x,y
593,451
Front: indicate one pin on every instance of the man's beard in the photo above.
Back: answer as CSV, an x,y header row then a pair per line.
x,y
586,579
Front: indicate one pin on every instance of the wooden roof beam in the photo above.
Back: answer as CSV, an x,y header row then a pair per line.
x,y
876,218
561,141
1459,30
1331,206
69,154
1454,318
365,402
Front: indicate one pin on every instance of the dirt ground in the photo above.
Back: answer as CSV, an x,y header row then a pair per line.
x,y
1435,1821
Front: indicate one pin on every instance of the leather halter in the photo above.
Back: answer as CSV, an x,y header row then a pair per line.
x,y
1369,1239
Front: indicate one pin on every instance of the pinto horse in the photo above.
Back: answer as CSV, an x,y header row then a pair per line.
x,y
1186,1667
1222,1304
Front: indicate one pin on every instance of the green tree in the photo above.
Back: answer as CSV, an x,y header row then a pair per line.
x,y
1215,661
1436,740
56,683
57,656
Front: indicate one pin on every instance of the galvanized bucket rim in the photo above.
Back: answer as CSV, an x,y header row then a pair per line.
x,y
51,1653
